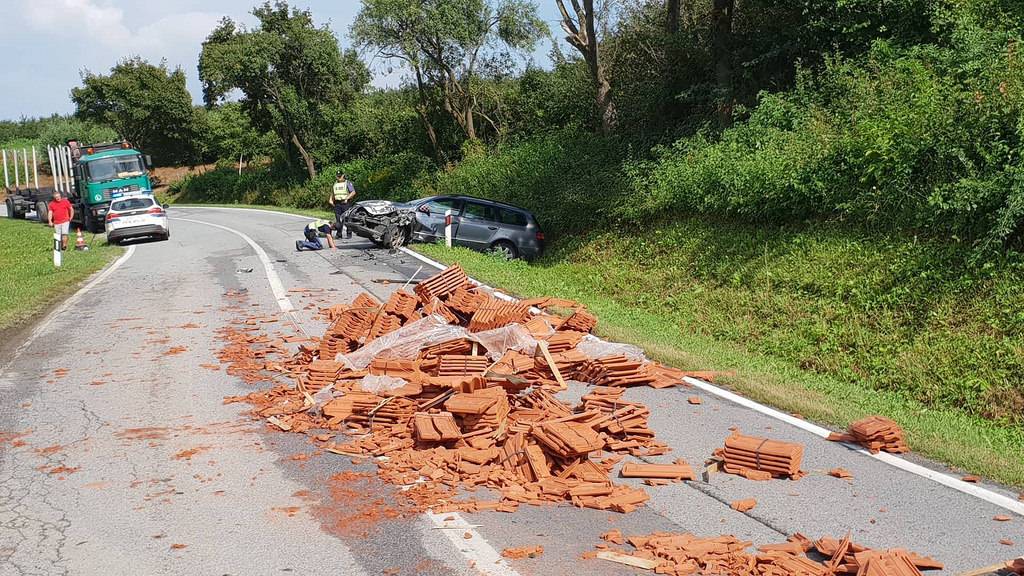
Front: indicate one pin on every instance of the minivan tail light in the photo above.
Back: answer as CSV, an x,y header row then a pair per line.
x,y
540,236
111,216
156,210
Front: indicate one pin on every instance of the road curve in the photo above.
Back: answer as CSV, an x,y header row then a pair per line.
x,y
118,456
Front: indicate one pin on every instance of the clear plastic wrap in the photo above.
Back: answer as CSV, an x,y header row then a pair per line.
x,y
594,348
406,342
380,384
500,340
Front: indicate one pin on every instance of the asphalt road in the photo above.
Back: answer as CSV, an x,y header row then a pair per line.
x,y
118,456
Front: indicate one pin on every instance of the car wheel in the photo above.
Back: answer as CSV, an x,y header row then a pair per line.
x,y
10,207
396,236
505,249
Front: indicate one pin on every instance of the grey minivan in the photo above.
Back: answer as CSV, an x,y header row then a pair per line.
x,y
483,225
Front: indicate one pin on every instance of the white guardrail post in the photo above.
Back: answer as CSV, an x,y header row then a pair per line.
x,y
448,228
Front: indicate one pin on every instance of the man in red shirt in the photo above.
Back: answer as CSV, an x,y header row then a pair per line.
x,y
61,213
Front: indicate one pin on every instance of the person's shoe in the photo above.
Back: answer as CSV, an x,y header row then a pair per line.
x,y
298,245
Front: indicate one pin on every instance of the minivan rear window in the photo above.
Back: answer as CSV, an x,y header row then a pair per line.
x,y
131,204
511,217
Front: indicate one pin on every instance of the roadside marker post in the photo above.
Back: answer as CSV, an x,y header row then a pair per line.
x,y
58,256
448,228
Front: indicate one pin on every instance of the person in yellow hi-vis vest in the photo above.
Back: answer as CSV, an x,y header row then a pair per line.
x,y
341,198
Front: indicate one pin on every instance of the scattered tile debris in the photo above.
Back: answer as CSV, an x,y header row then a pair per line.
x,y
523,552
744,505
685,554
876,433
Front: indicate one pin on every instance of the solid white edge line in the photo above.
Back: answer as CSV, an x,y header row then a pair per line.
x,y
968,488
272,278
42,326
485,558
994,498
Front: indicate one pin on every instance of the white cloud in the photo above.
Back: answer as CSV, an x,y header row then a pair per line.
x,y
94,21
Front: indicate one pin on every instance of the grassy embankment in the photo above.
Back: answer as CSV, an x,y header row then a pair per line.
x,y
831,320
28,280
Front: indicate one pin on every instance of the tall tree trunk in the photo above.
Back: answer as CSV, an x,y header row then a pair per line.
x,y
310,166
671,16
581,34
423,111
470,123
721,50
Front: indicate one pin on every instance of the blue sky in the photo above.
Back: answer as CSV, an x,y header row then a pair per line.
x,y
47,43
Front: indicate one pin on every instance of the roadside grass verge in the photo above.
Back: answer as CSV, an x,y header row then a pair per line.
x,y
28,280
633,306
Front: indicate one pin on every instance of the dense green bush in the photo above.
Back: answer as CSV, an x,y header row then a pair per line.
x,y
926,139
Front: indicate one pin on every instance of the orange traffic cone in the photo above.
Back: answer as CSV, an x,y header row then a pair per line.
x,y
80,241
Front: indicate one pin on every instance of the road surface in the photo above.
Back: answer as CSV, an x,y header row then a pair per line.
x,y
118,455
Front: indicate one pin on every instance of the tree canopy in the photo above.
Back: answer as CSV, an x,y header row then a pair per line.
x,y
290,71
146,104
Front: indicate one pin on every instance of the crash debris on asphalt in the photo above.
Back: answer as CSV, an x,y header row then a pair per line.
x,y
682,554
452,389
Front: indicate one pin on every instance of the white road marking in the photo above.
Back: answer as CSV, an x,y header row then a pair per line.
x,y
968,488
994,498
272,278
42,326
484,557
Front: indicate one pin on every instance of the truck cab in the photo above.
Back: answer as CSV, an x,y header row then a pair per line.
x,y
103,173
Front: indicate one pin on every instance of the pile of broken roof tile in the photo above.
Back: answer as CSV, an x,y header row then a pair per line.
x,y
455,415
876,433
683,554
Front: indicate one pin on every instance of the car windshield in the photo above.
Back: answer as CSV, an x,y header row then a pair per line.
x,y
131,204
116,167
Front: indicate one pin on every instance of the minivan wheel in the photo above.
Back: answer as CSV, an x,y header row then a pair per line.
x,y
505,249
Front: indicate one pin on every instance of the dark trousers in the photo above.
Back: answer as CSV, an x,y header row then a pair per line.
x,y
339,210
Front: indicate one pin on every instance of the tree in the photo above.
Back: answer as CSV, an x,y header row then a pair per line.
x,y
448,45
145,104
581,34
721,53
290,72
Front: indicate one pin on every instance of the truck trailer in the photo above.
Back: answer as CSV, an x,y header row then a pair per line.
x,y
89,175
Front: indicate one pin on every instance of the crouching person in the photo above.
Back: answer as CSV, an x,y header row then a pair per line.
x,y
312,236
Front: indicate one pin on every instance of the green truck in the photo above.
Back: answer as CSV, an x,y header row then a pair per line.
x,y
90,176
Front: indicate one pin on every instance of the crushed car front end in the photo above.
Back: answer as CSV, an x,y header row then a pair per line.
x,y
381,221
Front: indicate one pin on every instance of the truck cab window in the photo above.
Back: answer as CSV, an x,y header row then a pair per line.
x,y
118,167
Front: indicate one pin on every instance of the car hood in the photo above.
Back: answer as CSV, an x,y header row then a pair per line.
x,y
379,207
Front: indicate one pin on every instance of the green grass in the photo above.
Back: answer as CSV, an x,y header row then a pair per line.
x,y
702,323
29,282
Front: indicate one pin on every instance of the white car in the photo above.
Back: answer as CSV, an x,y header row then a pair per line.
x,y
136,217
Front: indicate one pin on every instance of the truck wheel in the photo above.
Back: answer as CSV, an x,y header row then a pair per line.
x,y
41,209
9,204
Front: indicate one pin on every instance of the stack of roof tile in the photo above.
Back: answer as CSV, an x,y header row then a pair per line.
x,y
321,373
616,371
876,433
435,427
750,455
441,285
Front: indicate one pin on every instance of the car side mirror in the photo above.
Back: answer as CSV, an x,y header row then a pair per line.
x,y
149,161
424,208
165,206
